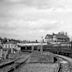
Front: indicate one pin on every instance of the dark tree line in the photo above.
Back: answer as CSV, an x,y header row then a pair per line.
x,y
6,40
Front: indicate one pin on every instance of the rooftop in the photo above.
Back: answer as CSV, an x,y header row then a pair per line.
x,y
30,44
58,35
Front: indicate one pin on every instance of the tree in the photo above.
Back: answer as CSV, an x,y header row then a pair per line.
x,y
4,40
36,41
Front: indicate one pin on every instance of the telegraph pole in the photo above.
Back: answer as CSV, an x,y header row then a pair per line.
x,y
41,50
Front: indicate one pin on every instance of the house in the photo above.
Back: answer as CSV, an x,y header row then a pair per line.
x,y
11,46
61,37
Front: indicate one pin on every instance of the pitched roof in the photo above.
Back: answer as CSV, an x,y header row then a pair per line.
x,y
61,36
48,36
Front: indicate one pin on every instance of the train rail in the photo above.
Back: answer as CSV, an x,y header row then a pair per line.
x,y
16,64
13,65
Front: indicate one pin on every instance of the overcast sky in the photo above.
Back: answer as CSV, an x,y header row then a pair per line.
x,y
31,19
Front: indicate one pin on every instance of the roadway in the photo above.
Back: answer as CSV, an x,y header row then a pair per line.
x,y
65,58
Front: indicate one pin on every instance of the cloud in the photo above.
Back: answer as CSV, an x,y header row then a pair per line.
x,y
30,19
28,29
42,3
40,24
43,24
6,28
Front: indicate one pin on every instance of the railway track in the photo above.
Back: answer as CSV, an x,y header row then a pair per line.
x,y
14,65
18,63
